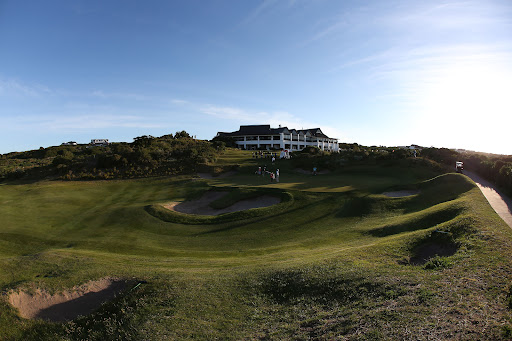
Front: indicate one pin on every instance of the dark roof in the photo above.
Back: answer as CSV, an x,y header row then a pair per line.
x,y
254,130
280,130
317,132
264,129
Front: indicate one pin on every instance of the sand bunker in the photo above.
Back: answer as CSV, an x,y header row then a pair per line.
x,y
399,194
68,305
201,205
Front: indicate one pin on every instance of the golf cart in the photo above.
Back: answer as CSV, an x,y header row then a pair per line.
x,y
459,166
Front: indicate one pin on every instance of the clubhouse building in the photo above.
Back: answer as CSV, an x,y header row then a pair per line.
x,y
263,137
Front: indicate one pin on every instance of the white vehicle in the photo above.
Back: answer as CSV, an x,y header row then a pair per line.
x,y
459,166
99,142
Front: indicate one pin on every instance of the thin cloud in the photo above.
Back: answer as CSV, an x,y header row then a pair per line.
x,y
179,101
119,95
263,7
12,87
79,123
228,113
329,30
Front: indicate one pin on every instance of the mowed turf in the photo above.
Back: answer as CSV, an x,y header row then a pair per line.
x,y
341,261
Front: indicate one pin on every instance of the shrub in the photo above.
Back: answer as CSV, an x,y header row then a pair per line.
x,y
438,263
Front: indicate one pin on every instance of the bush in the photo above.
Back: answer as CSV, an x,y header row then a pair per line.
x,y
438,263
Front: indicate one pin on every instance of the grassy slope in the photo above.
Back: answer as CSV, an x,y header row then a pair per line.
x,y
334,263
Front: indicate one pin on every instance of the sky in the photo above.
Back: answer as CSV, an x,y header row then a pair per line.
x,y
391,73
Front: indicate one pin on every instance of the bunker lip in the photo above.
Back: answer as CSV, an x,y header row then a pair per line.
x,y
400,194
201,205
69,304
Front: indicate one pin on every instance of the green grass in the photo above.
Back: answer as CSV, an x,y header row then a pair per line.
x,y
233,196
337,261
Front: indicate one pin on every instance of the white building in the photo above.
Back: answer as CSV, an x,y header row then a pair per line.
x,y
99,142
264,137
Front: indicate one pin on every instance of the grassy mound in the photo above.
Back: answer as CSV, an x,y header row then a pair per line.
x,y
231,198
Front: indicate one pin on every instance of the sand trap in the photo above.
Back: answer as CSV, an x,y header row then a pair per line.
x,y
399,194
68,305
200,206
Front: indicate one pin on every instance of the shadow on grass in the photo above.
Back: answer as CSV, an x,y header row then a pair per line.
x,y
420,223
273,217
430,250
437,190
324,286
355,207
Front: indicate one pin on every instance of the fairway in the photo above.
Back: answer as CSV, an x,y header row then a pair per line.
x,y
335,258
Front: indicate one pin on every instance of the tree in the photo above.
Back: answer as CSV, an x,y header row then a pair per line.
x,y
143,141
180,134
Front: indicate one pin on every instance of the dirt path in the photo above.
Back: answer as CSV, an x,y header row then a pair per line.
x,y
499,201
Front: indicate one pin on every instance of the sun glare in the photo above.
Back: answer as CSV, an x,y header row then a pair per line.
x,y
468,106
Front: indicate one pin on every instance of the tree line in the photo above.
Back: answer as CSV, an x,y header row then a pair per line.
x,y
145,156
495,168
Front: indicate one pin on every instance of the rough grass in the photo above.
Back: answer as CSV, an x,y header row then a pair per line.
x,y
336,262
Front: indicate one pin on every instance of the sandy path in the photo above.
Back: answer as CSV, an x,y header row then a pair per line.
x,y
499,201
200,206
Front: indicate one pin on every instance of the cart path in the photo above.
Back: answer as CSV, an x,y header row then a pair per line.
x,y
499,201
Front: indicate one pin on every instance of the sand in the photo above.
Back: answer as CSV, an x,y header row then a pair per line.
x,y
200,206
67,305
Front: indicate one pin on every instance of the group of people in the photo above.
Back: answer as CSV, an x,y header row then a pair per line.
x,y
274,176
262,155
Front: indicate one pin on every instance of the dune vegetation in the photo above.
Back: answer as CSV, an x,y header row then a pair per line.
x,y
335,259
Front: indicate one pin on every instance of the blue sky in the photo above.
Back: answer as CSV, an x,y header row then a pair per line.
x,y
433,73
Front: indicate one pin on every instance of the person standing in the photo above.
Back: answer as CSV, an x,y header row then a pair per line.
x,y
277,175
